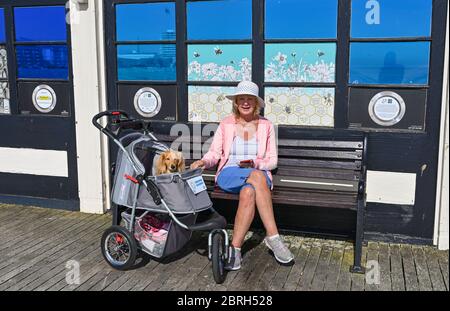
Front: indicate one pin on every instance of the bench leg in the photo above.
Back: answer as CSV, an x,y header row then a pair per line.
x,y
357,268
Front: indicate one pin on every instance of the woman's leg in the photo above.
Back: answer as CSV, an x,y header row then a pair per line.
x,y
244,215
263,200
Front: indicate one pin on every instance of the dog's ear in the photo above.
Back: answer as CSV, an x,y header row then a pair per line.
x,y
160,164
181,164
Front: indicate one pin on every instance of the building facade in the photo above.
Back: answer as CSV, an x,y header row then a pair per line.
x,y
329,68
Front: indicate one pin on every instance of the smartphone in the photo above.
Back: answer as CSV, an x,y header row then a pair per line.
x,y
246,163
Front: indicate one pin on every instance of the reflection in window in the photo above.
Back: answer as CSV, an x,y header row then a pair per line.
x,y
208,103
390,19
40,24
145,22
389,63
219,19
2,26
224,62
303,62
300,106
305,19
151,62
42,61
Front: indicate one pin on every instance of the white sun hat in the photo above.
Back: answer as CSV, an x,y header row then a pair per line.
x,y
247,88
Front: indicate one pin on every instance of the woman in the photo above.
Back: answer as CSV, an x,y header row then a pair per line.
x,y
244,146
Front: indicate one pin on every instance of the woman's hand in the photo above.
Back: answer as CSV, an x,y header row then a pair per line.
x,y
198,163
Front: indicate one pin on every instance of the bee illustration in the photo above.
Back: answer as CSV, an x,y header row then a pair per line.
x,y
220,98
232,62
196,54
320,53
217,50
328,99
293,54
288,109
271,100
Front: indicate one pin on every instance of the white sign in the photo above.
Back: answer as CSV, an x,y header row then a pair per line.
x,y
44,98
197,184
387,108
147,102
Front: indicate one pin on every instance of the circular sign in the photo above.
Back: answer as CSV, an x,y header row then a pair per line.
x,y
44,98
147,102
387,108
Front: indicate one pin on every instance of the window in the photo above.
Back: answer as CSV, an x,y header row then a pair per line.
x,y
219,20
4,84
293,70
382,62
308,19
221,54
44,54
389,62
391,19
146,38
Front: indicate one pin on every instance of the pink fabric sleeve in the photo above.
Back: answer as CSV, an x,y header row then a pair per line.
x,y
212,157
270,160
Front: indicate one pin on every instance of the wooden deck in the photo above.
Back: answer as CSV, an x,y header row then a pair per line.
x,y
38,243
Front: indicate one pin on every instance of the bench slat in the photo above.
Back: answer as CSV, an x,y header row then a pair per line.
x,y
317,172
315,183
350,165
321,143
301,198
317,153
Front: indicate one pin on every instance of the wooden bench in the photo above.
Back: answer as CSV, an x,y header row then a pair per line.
x,y
317,173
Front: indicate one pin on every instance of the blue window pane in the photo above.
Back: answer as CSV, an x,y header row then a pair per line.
x,y
389,63
151,62
2,26
42,61
224,62
389,19
40,24
300,62
145,22
304,19
226,19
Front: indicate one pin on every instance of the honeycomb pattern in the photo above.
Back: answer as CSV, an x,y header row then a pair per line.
x,y
300,106
208,104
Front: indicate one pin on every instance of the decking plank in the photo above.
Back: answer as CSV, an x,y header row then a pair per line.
x,y
322,269
300,263
434,269
420,261
334,267
397,277
373,273
310,267
385,267
443,262
345,277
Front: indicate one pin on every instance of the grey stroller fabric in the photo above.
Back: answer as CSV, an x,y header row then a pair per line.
x,y
174,188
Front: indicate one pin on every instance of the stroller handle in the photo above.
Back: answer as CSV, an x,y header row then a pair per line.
x,y
118,120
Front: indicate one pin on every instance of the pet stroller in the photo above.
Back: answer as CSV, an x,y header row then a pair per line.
x,y
160,211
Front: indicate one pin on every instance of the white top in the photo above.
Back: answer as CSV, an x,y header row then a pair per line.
x,y
242,150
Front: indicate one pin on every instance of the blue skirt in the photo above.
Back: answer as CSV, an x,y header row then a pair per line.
x,y
233,178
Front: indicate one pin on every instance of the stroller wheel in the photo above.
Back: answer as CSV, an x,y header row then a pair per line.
x,y
119,248
218,257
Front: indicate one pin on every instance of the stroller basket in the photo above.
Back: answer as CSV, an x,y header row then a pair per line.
x,y
174,188
167,240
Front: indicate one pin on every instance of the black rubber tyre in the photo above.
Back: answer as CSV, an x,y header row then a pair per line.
x,y
218,257
119,248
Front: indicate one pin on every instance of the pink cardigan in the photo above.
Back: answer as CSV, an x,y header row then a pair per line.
x,y
219,151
